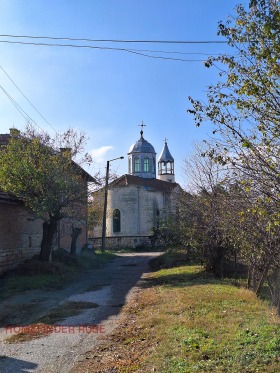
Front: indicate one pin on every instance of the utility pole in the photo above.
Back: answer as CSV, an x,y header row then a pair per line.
x,y
105,204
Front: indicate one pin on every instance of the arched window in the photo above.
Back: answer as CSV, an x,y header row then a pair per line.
x,y
116,221
136,164
146,164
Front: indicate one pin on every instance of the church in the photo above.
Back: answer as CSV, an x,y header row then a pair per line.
x,y
138,199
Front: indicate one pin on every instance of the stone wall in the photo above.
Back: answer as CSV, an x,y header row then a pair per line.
x,y
139,208
121,242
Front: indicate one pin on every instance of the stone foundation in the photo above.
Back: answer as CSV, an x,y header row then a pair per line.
x,y
121,242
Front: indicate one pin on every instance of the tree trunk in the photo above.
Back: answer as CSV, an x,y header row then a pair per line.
x,y
274,285
262,279
75,234
49,231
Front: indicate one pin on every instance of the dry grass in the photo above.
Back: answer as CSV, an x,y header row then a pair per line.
x,y
187,321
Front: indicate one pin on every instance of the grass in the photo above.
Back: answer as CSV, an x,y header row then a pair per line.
x,y
207,325
185,320
55,275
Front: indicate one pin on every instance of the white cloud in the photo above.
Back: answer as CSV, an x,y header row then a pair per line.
x,y
98,155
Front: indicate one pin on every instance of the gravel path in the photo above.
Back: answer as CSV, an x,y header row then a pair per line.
x,y
106,289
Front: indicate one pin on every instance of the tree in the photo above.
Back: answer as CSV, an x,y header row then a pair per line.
x,y
39,170
244,107
96,201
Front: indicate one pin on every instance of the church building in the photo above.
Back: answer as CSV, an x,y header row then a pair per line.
x,y
138,199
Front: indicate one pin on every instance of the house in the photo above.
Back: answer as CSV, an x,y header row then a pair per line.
x,y
138,199
21,230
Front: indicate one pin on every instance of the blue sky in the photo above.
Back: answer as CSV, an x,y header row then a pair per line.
x,y
109,93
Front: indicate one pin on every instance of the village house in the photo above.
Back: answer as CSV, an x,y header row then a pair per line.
x,y
21,231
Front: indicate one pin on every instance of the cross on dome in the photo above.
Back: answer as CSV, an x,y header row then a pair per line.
x,y
142,125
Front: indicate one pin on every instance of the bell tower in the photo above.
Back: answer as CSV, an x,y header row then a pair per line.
x,y
166,165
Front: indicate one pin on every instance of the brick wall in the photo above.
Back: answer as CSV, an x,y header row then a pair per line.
x,y
20,235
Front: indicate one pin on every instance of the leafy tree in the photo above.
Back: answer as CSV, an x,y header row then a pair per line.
x,y
244,107
39,170
245,104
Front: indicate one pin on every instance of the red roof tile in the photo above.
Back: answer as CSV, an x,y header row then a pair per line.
x,y
152,184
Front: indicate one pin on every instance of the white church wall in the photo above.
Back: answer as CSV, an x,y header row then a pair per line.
x,y
124,199
138,207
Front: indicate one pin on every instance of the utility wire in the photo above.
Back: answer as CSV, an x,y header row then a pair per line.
x,y
102,48
120,41
173,52
27,99
19,108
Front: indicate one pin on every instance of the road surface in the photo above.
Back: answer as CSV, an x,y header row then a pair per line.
x,y
106,290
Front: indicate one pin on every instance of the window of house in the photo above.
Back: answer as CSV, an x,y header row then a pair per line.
x,y
136,164
146,164
116,221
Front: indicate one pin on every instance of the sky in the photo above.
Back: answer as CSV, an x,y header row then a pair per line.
x,y
108,93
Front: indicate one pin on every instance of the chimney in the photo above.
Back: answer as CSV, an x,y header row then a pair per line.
x,y
14,132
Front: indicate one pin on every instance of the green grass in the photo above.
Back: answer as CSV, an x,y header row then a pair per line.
x,y
202,324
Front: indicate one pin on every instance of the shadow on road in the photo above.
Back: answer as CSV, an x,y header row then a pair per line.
x,y
95,296
17,365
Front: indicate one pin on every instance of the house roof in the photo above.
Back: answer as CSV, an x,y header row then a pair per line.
x,y
4,139
149,184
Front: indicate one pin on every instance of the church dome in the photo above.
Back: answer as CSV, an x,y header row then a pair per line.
x,y
141,146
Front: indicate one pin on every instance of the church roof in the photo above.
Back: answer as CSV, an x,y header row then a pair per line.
x,y
141,146
149,184
165,155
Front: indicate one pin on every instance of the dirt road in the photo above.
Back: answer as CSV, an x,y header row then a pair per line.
x,y
100,293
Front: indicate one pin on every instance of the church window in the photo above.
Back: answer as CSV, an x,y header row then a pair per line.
x,y
146,164
136,164
116,221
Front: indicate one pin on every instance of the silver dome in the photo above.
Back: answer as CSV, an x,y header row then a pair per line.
x,y
141,146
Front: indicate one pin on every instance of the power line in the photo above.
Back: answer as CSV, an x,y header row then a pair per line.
x,y
119,40
26,98
175,52
20,109
102,48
